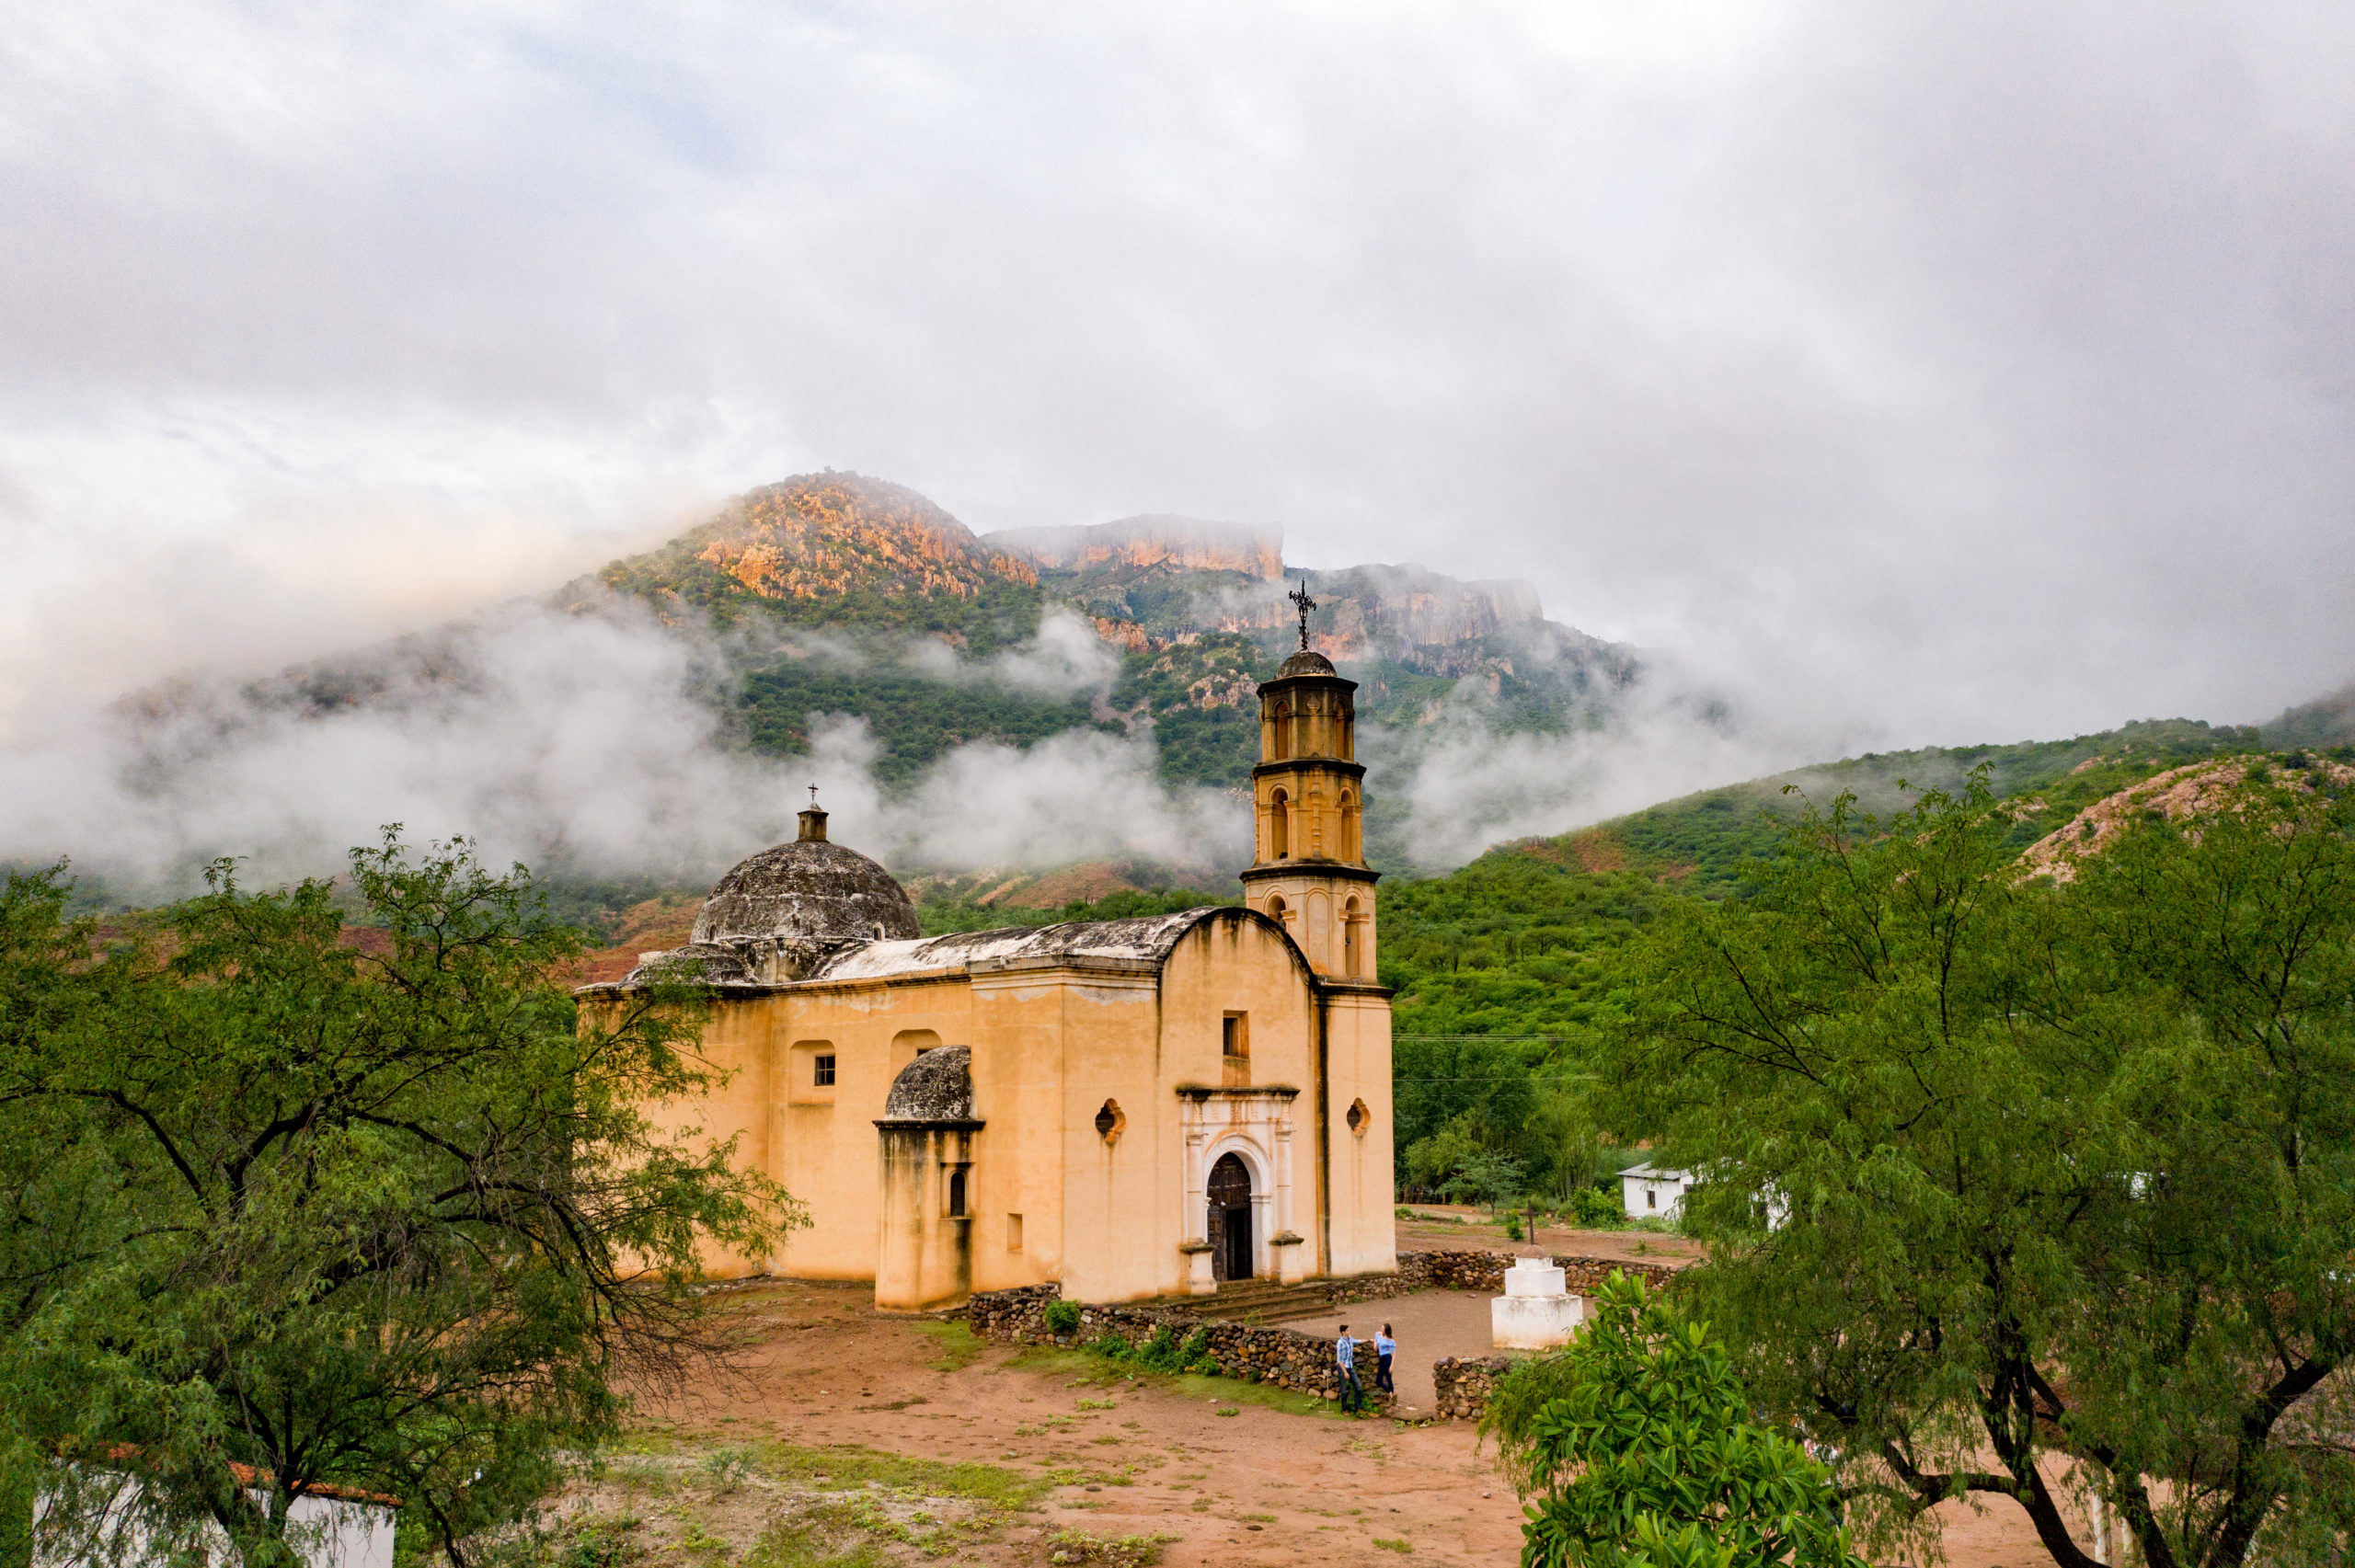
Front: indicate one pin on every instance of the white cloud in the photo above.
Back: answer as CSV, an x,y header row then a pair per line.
x,y
1945,375
571,741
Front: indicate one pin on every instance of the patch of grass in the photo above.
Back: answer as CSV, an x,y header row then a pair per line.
x,y
810,1543
848,1467
955,1342
1230,1410
1226,1390
1399,1545
699,1541
1077,1547
1098,1404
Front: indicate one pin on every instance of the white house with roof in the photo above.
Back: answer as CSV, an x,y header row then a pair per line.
x,y
90,1514
1647,1192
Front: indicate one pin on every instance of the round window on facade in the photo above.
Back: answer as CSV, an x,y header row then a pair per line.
x,y
1110,1121
1360,1118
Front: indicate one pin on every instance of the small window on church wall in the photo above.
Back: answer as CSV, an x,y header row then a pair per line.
x,y
1360,1118
1235,1051
1352,833
1110,1120
955,1195
1352,941
1279,825
808,1075
1013,1232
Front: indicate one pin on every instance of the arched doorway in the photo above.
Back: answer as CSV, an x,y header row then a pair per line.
x,y
1229,1231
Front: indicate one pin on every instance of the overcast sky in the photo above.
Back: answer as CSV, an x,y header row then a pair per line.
x,y
1930,373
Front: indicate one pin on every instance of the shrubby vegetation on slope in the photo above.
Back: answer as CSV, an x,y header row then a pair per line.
x,y
915,719
2002,1170
365,1213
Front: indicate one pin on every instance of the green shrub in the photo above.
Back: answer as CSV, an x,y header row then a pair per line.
x,y
1162,1351
1636,1444
1599,1208
727,1468
1062,1317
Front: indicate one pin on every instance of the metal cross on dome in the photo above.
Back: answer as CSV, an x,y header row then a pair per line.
x,y
1300,596
813,796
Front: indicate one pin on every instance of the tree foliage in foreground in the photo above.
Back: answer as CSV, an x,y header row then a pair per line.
x,y
2069,1170
374,1216
1636,1442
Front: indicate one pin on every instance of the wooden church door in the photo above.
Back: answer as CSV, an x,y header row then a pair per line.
x,y
1230,1218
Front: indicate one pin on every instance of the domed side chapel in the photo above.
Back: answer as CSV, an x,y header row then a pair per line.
x,y
1129,1108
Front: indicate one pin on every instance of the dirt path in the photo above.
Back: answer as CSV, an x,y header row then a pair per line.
x,y
855,1440
1231,1479
1453,1227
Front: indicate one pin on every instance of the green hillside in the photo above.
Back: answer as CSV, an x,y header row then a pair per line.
x,y
1504,969
1706,837
821,584
2326,722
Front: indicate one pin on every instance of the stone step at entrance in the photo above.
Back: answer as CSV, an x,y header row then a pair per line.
x,y
1262,1300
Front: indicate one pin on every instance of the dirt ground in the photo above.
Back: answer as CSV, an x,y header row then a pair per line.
x,y
855,1440
1426,1325
1441,1225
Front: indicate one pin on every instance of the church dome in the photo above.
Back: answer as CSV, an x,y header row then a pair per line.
x,y
806,891
936,1087
1307,662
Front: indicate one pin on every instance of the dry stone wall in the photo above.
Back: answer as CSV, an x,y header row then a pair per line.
x,y
1466,1382
1485,1271
1289,1358
1285,1357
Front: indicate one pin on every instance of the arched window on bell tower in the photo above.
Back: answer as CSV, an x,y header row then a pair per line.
x,y
1310,874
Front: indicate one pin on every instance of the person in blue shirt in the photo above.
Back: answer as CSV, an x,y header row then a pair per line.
x,y
1345,1356
1385,1347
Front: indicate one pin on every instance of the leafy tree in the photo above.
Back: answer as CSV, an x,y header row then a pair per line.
x,y
2069,1170
1635,1441
361,1209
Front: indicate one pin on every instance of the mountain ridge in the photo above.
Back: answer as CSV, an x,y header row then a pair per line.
x,y
835,593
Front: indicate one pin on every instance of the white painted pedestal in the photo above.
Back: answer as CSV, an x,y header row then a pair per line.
x,y
1536,1312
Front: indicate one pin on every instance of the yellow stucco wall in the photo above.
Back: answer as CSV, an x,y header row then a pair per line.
x,y
1051,1044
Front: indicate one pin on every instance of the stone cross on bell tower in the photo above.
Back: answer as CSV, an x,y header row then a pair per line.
x,y
1310,874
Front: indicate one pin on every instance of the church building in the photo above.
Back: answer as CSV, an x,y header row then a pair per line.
x,y
1129,1108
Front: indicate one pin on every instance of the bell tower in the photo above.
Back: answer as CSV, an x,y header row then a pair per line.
x,y
1309,874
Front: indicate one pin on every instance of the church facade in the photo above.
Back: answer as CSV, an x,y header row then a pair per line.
x,y
1129,1108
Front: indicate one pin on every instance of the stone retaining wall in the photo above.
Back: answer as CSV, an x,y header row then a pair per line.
x,y
1285,1357
1485,1272
1465,1383
1289,1358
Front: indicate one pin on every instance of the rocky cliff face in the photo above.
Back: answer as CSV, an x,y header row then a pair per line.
x,y
1389,612
831,533
1185,543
